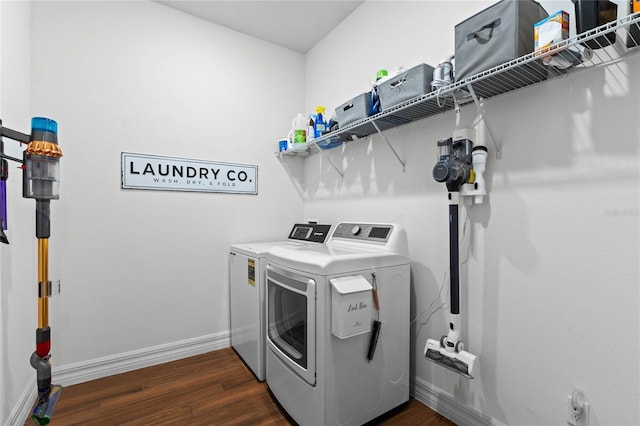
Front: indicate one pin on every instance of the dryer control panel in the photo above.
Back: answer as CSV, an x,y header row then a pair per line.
x,y
363,231
310,232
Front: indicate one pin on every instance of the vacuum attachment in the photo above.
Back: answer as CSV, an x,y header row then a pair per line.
x,y
460,362
43,410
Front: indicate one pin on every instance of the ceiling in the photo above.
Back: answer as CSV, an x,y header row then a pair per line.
x,y
297,25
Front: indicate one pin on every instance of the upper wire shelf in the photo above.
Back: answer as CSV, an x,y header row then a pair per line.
x,y
584,51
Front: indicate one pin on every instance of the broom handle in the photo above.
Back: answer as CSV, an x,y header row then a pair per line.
x,y
454,265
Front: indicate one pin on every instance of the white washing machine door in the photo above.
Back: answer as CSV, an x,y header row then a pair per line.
x,y
291,316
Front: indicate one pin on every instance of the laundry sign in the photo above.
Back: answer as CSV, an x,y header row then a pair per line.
x,y
143,171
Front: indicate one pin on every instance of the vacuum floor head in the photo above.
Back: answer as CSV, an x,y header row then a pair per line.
x,y
459,362
43,411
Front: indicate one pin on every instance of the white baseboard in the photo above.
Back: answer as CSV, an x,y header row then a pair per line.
x,y
445,404
22,409
85,371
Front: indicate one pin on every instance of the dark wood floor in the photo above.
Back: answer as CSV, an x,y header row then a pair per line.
x,y
211,389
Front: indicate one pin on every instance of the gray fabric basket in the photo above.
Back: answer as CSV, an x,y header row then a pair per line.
x,y
414,82
354,109
500,33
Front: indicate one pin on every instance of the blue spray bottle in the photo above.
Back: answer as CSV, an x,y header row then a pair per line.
x,y
319,125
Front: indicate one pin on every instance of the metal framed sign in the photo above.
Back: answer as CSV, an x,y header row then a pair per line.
x,y
143,171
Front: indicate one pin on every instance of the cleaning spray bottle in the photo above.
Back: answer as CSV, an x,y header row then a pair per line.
x,y
319,125
311,128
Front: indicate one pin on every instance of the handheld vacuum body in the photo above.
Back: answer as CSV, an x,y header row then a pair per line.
x,y
454,168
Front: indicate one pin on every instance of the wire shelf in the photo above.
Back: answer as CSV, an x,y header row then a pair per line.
x,y
597,47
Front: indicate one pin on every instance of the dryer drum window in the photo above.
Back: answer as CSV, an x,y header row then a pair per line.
x,y
288,322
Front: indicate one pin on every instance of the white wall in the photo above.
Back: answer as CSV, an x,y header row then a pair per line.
x,y
550,286
550,273
146,268
18,261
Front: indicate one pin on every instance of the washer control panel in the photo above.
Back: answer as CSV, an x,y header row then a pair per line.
x,y
363,231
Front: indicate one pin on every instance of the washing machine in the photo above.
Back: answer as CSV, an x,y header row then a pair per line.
x,y
338,328
247,266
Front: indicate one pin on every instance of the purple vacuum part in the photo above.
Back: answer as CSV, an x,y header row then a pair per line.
x,y
3,203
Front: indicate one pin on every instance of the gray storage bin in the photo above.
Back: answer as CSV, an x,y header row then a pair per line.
x,y
354,109
498,34
414,82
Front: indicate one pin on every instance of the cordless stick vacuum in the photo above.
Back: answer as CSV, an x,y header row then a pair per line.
x,y
40,181
454,168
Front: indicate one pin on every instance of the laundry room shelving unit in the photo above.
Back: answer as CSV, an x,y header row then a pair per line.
x,y
521,72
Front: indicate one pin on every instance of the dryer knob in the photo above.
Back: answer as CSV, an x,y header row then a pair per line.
x,y
355,230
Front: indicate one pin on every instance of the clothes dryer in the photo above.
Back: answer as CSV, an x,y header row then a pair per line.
x,y
333,358
247,266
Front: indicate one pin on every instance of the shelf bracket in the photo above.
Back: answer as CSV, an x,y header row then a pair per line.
x,y
478,103
400,160
340,172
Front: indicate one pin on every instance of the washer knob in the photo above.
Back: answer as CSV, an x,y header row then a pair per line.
x,y
355,230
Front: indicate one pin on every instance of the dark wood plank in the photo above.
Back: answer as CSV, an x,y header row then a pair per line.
x,y
210,389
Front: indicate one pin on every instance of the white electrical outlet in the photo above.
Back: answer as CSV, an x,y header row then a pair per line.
x,y
577,416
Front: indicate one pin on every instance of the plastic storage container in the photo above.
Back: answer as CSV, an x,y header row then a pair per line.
x,y
414,82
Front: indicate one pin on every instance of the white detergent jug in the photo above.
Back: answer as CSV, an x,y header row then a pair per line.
x,y
298,133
